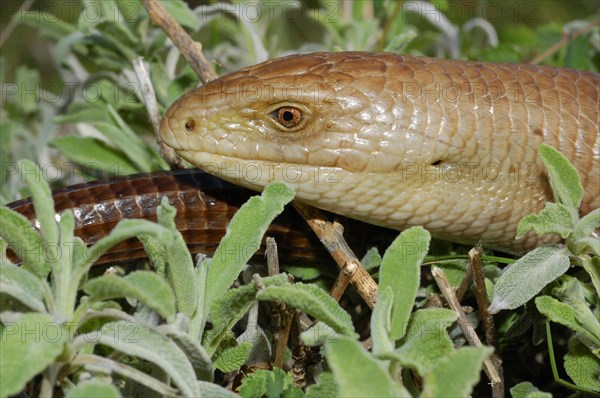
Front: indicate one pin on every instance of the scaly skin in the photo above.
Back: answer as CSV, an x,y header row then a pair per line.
x,y
397,140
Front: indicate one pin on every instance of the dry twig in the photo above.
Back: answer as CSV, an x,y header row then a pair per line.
x,y
463,322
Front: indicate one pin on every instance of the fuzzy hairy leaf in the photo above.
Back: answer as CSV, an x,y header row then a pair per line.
x,y
243,237
381,321
269,383
527,390
566,315
27,243
140,341
325,387
94,389
455,374
421,352
554,218
314,301
232,358
179,269
357,373
401,271
582,365
433,321
145,286
22,285
528,276
29,345
564,179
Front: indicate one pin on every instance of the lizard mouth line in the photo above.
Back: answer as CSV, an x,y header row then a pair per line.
x,y
255,174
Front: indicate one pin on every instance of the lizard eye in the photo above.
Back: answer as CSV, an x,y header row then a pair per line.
x,y
288,116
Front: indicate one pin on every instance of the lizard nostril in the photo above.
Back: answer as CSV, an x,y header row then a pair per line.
x,y
190,125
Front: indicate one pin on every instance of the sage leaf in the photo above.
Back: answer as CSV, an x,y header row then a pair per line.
x,y
564,180
357,373
29,344
525,278
145,286
455,374
401,271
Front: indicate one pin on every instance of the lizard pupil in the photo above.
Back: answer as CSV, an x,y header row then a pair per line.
x,y
288,117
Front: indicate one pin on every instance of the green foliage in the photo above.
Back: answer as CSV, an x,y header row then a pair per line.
x,y
147,287
24,353
536,271
401,270
87,105
232,358
271,384
312,300
95,388
240,243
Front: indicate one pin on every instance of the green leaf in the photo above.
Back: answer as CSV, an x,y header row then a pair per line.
x,y
325,387
53,27
372,259
17,231
317,334
586,226
227,310
314,301
29,344
145,286
94,389
22,285
243,237
28,81
142,342
592,266
401,271
527,390
381,321
214,390
232,358
83,113
198,321
88,150
182,13
554,218
566,315
582,365
125,229
234,304
131,145
587,245
525,278
41,196
119,37
180,266
197,355
64,47
583,237
421,351
398,43
432,321
564,180
357,373
269,383
455,374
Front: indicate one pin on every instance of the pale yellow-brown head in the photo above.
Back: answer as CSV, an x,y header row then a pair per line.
x,y
393,140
